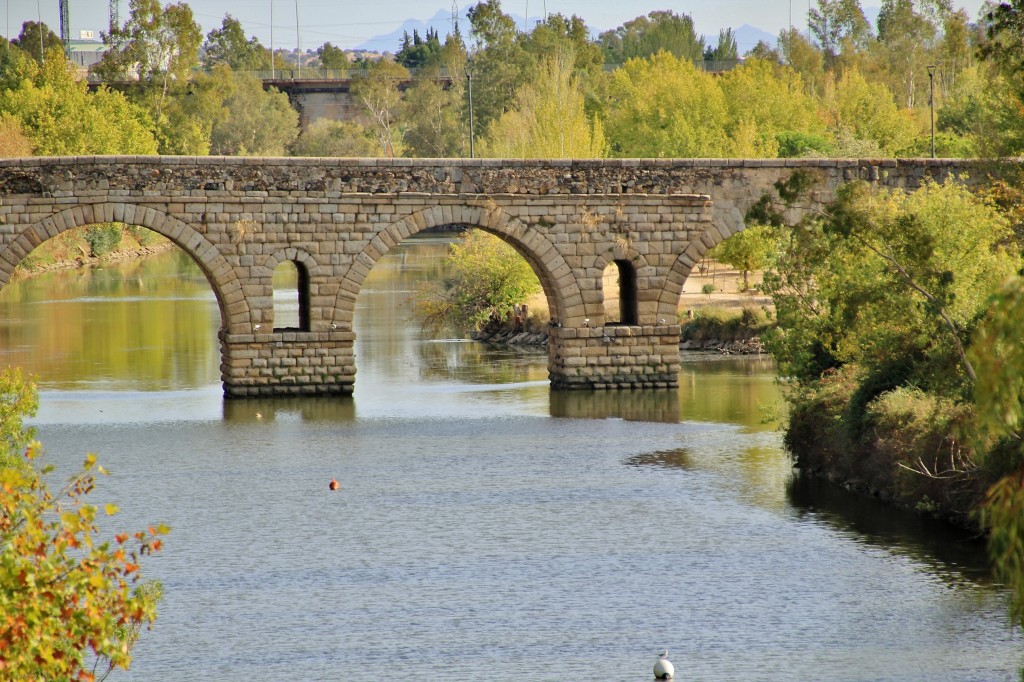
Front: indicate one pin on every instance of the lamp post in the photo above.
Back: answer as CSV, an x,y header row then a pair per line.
x,y
472,147
931,102
298,42
39,27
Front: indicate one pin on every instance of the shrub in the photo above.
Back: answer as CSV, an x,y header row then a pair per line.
x,y
713,322
490,279
103,238
68,596
916,454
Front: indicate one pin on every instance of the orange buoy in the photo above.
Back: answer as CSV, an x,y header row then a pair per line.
x,y
334,485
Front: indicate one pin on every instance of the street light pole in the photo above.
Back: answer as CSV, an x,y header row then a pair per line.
x,y
298,42
931,102
472,146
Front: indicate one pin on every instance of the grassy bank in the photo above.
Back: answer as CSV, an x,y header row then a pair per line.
x,y
92,244
722,325
903,446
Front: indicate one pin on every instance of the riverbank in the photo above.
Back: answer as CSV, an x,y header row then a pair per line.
x,y
903,446
749,344
83,261
74,249
715,315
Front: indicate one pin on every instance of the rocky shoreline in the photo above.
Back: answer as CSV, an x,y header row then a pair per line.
x,y
510,337
84,261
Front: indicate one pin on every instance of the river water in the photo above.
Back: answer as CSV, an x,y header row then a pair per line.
x,y
486,527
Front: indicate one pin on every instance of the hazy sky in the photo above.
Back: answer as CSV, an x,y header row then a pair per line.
x,y
348,23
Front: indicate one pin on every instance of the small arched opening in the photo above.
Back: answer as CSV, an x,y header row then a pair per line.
x,y
291,297
620,293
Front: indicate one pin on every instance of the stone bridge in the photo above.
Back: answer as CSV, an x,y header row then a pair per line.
x,y
239,218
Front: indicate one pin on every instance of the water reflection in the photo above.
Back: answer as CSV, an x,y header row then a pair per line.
x,y
327,409
733,389
954,554
651,405
455,360
145,325
672,459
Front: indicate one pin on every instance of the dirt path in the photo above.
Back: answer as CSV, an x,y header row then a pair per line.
x,y
727,283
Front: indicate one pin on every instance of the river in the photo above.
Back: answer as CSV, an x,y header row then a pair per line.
x,y
486,526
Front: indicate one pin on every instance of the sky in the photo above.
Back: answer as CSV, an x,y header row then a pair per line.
x,y
348,23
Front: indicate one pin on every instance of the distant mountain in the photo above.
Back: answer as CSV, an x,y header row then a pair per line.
x,y
747,37
392,42
440,22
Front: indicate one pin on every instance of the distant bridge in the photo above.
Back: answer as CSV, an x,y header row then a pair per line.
x,y
652,220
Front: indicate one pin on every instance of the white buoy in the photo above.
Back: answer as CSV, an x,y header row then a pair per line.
x,y
663,668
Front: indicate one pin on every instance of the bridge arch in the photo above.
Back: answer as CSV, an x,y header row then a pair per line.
x,y
726,223
564,297
234,310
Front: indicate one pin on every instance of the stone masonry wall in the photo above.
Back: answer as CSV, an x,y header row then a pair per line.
x,y
335,218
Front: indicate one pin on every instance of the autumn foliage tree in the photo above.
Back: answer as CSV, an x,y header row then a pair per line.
x,y
71,604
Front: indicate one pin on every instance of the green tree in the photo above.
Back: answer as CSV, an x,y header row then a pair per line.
x,y
999,400
764,52
435,124
18,400
325,137
983,110
65,595
664,107
13,141
726,48
435,113
839,26
908,42
868,111
499,65
804,57
750,250
955,52
646,36
558,35
1004,26
256,121
771,99
10,59
883,279
418,52
228,45
379,93
489,279
61,117
550,122
332,57
1002,515
157,44
36,39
